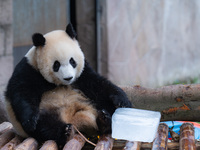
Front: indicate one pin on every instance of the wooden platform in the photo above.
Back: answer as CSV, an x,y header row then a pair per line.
x,y
10,141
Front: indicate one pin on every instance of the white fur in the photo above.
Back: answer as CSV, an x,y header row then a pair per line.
x,y
66,71
59,46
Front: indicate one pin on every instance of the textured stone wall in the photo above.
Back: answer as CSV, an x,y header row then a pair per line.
x,y
152,43
6,43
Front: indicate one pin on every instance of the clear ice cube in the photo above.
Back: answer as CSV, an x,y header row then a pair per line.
x,y
135,124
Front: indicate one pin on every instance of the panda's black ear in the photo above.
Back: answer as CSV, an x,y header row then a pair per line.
x,y
70,31
38,39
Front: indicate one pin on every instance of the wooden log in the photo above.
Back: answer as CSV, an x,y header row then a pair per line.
x,y
175,102
28,144
5,126
12,144
105,143
49,145
132,145
187,140
6,137
160,142
76,143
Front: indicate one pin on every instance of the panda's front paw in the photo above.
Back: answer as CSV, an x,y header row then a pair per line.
x,y
30,124
104,122
120,101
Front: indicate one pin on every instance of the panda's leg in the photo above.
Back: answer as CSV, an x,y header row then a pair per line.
x,y
104,122
50,127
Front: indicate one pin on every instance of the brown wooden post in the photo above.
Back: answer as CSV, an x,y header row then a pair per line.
x,y
12,144
160,142
29,143
132,145
75,144
187,140
105,143
6,137
5,126
49,145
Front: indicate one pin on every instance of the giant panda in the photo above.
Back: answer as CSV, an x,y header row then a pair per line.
x,y
53,89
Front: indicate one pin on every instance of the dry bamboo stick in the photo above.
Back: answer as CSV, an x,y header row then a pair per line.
x,y
105,143
28,144
6,137
75,144
5,126
132,145
49,145
187,140
12,144
160,142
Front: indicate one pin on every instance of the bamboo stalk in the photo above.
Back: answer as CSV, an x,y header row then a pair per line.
x,y
49,145
160,142
6,137
28,144
187,140
75,144
105,143
12,144
132,145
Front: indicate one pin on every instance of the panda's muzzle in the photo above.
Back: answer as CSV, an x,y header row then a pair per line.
x,y
68,79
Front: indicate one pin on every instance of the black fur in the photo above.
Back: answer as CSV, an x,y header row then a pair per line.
x,y
25,89
38,39
104,94
70,31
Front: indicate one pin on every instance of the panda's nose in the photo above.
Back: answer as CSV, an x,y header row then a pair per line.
x,y
67,79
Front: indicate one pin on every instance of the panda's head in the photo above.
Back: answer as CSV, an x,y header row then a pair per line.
x,y
57,56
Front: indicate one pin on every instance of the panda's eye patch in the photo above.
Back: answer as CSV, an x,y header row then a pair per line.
x,y
56,66
72,62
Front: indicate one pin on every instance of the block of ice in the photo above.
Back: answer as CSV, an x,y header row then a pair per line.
x,y
135,124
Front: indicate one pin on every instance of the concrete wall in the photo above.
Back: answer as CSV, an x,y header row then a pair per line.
x,y
6,43
151,43
31,16
85,19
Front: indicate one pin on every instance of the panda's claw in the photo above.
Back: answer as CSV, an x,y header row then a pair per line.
x,y
120,101
104,122
69,130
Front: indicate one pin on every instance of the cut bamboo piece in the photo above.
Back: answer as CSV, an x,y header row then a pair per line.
x,y
5,126
105,143
75,144
187,140
160,142
28,144
132,145
6,137
49,145
12,144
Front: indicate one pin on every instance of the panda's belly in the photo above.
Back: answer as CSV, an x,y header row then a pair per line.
x,y
71,106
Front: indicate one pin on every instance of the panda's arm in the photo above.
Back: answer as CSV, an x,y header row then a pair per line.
x,y
101,90
24,92
25,113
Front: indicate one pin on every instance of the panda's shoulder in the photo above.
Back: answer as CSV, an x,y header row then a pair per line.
x,y
26,79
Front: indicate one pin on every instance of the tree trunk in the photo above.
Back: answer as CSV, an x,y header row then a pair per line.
x,y
175,102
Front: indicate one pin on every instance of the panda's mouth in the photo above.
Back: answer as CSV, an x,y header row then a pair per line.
x,y
68,79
